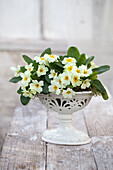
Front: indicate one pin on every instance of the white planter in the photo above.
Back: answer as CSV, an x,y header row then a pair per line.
x,y
66,134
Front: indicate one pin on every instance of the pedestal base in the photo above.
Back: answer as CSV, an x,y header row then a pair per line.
x,y
68,136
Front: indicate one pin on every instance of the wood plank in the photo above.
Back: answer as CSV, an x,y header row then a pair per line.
x,y
103,152
61,157
99,117
70,157
23,148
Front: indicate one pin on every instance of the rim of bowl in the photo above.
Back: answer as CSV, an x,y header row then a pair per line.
x,y
83,92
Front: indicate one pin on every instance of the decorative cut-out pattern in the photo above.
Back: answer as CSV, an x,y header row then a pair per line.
x,y
60,104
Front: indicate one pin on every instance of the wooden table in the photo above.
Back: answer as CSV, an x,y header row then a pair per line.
x,y
24,149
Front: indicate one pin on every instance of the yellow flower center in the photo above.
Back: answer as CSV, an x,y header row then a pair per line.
x,y
68,92
85,72
52,56
85,82
54,74
70,68
29,69
55,87
25,78
66,78
41,70
37,85
68,60
75,78
27,92
42,58
78,71
60,81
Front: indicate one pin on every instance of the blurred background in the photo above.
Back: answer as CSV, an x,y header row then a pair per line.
x,y
29,27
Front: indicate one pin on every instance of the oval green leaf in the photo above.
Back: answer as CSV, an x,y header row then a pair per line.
x,y
73,52
88,60
27,59
81,59
24,100
101,69
47,51
99,86
15,79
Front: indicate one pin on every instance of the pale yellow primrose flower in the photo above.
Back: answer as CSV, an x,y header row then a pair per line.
x,y
27,94
85,84
42,70
54,87
52,74
77,70
68,93
25,79
37,86
76,80
93,65
66,78
84,71
33,91
58,79
69,67
16,70
40,60
51,58
29,67
69,60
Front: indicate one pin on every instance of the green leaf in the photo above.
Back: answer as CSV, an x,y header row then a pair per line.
x,y
19,91
81,59
47,51
34,76
47,79
55,67
101,69
45,87
105,96
15,79
22,69
59,64
70,86
35,65
93,76
24,100
73,52
89,65
88,60
61,57
98,85
27,59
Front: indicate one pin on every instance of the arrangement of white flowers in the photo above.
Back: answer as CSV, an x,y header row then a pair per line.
x,y
64,75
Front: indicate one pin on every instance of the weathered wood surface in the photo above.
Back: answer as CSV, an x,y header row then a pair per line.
x,y
23,148
99,117
103,152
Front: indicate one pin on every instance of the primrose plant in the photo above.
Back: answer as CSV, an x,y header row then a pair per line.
x,y
63,75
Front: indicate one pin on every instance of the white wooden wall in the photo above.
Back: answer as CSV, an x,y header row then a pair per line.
x,y
56,19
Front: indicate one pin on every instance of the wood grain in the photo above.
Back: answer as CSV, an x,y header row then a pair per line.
x,y
103,152
99,117
70,157
23,148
